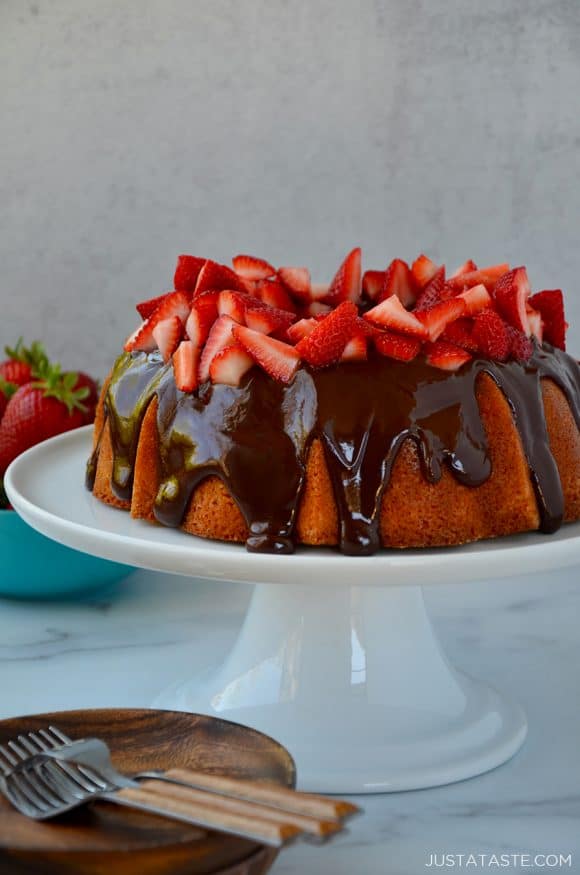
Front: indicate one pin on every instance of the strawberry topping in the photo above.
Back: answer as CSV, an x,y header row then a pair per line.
x,y
423,270
251,268
324,346
355,350
373,282
550,305
491,335
217,276
391,314
397,346
296,280
219,321
167,334
278,359
433,292
346,285
399,281
186,274
230,365
446,356
185,366
436,318
510,295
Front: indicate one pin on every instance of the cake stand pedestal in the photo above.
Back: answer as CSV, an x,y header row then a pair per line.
x,y
336,658
353,681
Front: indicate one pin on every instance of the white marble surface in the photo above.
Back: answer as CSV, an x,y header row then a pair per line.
x,y
123,647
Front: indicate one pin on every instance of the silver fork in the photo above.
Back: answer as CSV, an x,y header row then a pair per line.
x,y
44,788
45,774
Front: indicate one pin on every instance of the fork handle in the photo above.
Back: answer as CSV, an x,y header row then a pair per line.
x,y
235,823
266,793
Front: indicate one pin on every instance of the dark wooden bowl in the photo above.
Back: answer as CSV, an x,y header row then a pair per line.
x,y
104,839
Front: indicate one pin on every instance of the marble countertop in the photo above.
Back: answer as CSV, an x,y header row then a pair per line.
x,y
124,647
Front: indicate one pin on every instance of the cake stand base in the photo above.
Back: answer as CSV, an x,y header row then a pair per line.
x,y
352,680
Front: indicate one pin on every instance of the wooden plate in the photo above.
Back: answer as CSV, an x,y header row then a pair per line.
x,y
106,839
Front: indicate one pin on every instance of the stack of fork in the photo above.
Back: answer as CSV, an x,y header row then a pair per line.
x,y
44,774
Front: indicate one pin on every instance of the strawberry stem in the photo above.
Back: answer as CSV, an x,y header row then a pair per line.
x,y
33,355
55,384
7,389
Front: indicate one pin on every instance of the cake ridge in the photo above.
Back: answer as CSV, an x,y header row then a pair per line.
x,y
261,431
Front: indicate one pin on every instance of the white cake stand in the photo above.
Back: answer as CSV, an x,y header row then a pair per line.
x,y
338,659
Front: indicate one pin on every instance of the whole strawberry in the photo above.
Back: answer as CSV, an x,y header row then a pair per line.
x,y
40,410
23,363
7,390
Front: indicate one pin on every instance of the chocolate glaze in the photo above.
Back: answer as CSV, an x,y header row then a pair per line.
x,y
256,437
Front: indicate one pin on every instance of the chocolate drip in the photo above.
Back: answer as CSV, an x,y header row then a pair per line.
x,y
256,437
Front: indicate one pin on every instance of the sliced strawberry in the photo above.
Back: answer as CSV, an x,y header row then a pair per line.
x,y
219,337
147,308
325,344
185,366
467,267
399,281
296,279
446,356
202,316
423,270
319,291
536,323
433,292
167,334
230,365
391,314
491,335
521,347
273,293
550,303
251,268
317,308
373,282
355,350
436,318
187,272
301,329
346,284
173,304
488,276
217,276
234,304
476,299
460,333
268,320
278,359
397,346
510,294
142,339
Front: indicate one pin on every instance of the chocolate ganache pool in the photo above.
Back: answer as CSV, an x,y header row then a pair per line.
x,y
255,437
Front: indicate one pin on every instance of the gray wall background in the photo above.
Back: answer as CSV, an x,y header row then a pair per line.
x,y
132,131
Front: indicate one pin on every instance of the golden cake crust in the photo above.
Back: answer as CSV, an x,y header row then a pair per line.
x,y
414,512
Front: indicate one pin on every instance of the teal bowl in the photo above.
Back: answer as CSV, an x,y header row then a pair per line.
x,y
34,567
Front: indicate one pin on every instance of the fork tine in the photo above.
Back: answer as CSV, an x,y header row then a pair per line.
x,y
74,772
30,748
60,736
31,783
57,739
17,798
27,789
7,761
15,748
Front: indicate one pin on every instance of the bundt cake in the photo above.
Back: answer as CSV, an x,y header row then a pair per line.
x,y
403,408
